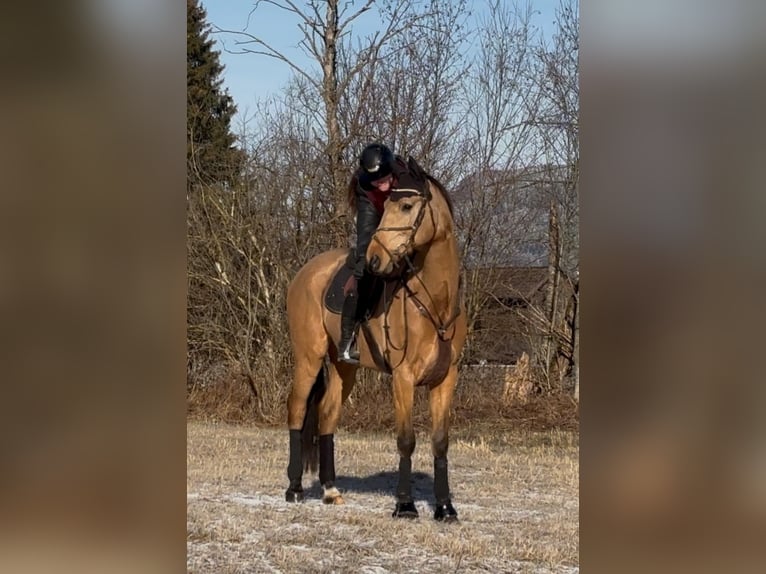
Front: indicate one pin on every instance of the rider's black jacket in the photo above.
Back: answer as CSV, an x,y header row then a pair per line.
x,y
369,211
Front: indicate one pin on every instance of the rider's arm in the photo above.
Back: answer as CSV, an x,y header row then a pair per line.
x,y
367,220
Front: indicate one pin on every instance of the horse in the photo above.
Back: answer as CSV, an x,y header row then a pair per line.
x,y
415,332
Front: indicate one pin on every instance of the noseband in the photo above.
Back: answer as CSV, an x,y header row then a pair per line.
x,y
396,195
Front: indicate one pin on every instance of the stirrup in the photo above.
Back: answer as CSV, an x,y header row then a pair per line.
x,y
350,355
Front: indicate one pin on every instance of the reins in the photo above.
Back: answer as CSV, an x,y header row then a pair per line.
x,y
441,327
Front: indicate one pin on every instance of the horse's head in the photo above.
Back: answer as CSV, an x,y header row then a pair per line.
x,y
408,223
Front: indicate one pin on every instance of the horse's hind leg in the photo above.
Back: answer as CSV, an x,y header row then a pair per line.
x,y
305,376
340,381
440,400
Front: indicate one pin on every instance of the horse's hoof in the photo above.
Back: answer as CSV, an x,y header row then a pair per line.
x,y
405,510
332,496
445,513
333,500
294,495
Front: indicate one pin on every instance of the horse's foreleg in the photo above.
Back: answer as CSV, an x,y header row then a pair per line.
x,y
340,380
440,400
404,394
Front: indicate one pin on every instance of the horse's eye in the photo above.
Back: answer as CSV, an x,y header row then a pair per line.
x,y
406,206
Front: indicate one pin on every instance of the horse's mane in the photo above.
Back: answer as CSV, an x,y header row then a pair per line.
x,y
443,191
354,182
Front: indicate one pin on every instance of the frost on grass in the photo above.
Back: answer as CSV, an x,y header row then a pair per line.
x,y
518,508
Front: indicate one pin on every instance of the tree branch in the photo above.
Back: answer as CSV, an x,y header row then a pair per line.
x,y
268,51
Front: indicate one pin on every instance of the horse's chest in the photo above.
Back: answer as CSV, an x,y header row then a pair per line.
x,y
436,369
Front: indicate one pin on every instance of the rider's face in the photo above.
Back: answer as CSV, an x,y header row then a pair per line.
x,y
384,183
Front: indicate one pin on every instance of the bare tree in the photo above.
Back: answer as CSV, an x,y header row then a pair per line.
x,y
323,24
498,207
411,97
558,123
245,242
496,122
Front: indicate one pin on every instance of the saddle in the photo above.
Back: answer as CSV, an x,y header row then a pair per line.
x,y
370,290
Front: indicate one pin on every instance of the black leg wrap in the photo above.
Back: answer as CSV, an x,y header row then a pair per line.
x,y
405,507
405,510
445,513
404,488
326,460
441,482
295,468
443,510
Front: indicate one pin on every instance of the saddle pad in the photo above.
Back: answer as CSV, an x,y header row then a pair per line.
x,y
333,298
370,289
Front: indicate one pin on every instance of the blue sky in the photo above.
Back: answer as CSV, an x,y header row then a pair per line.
x,y
251,77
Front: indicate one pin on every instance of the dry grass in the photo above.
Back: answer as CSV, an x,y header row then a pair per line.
x,y
516,493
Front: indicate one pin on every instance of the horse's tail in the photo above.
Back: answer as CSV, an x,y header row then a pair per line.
x,y
310,431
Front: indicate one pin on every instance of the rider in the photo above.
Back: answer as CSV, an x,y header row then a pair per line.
x,y
368,190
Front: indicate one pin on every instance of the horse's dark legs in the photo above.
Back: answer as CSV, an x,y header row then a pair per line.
x,y
340,381
330,495
441,397
295,468
405,506
305,374
443,510
404,394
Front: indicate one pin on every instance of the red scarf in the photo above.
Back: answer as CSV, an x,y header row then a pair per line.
x,y
378,198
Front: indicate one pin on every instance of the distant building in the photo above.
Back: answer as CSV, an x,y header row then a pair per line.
x,y
503,223
509,312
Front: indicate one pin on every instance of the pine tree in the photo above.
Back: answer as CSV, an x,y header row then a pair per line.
x,y
210,152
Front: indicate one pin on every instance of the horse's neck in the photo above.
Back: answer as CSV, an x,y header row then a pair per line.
x,y
439,274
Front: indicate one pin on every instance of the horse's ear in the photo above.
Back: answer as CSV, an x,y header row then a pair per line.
x,y
415,168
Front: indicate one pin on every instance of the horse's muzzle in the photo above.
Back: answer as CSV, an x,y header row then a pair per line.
x,y
375,264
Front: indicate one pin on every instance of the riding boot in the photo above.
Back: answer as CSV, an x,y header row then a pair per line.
x,y
348,352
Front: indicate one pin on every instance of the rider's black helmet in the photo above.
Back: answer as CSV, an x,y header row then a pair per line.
x,y
376,161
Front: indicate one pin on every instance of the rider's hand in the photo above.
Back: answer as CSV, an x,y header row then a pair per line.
x,y
350,286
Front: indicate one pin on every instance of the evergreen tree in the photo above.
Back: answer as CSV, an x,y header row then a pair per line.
x,y
210,152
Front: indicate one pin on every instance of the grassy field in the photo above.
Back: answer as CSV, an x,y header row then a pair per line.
x,y
516,493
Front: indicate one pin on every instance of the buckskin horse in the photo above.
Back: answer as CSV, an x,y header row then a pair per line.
x,y
415,332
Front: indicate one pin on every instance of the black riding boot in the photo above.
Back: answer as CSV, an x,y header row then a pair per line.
x,y
347,351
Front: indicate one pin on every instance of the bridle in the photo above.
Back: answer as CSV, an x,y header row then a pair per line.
x,y
401,252
396,195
